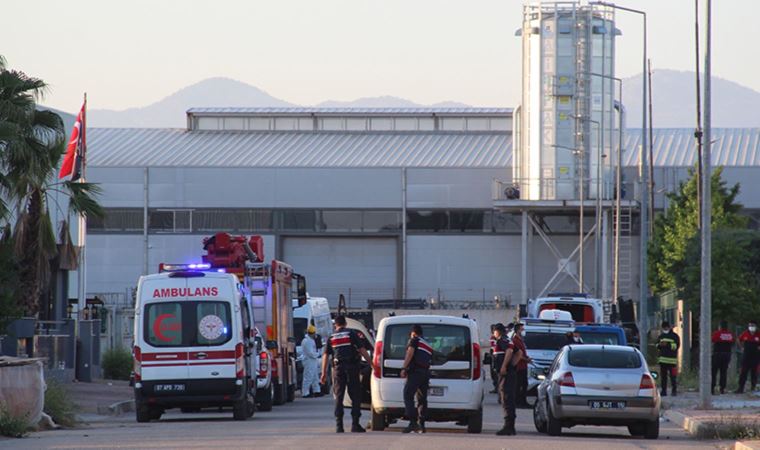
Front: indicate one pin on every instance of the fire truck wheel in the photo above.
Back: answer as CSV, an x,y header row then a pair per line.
x,y
264,397
280,395
291,392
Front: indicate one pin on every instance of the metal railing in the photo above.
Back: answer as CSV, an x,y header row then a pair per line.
x,y
550,189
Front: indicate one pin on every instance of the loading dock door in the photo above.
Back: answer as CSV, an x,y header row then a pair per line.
x,y
359,268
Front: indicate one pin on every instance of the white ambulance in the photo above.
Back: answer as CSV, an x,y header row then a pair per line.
x,y
194,345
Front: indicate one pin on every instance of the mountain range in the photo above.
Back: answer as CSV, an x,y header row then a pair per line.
x,y
673,103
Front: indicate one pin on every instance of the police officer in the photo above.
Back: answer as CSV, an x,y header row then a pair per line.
x,y
506,357
723,342
416,370
668,343
344,347
750,339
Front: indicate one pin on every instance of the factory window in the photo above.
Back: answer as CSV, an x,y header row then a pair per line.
x,y
117,220
382,221
170,221
341,221
297,220
435,221
501,222
239,220
466,221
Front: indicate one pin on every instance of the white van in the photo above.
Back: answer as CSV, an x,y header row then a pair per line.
x,y
456,383
315,312
194,345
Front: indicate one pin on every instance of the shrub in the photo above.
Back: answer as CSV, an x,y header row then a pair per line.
x,y
117,364
12,426
58,405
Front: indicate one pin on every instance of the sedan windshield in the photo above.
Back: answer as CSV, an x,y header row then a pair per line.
x,y
544,341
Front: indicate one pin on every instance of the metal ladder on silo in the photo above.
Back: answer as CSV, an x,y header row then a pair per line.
x,y
625,251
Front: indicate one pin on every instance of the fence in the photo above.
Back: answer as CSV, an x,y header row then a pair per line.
x,y
117,318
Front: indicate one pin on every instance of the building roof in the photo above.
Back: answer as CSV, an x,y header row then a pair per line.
x,y
349,111
676,147
129,147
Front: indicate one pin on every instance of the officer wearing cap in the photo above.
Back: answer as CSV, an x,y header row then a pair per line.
x,y
419,355
344,347
506,357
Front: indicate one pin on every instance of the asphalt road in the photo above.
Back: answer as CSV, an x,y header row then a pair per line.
x,y
308,424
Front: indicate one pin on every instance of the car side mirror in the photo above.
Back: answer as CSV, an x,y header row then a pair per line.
x,y
487,360
655,375
271,345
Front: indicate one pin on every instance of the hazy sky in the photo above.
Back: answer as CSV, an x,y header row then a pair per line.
x,y
131,53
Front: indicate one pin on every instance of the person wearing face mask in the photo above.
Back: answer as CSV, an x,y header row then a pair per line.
x,y
668,343
522,366
750,339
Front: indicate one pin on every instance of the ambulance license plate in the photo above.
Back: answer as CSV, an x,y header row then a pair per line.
x,y
169,388
435,391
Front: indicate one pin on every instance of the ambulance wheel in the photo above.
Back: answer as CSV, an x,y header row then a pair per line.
x,y
264,397
377,421
280,395
240,407
291,393
143,413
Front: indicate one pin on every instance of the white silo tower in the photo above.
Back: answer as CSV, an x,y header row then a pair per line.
x,y
566,128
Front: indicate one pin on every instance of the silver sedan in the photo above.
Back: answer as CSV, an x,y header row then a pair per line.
x,y
598,385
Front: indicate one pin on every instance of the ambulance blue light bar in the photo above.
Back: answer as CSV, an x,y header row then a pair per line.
x,y
163,267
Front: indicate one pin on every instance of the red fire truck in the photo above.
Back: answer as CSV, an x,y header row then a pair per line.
x,y
269,290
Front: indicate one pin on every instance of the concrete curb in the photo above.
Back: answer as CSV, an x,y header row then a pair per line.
x,y
692,426
117,409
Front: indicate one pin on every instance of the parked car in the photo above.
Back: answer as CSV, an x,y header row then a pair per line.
x,y
456,384
602,334
598,385
544,337
264,387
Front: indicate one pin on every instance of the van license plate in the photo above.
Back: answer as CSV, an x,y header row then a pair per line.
x,y
593,404
169,388
435,391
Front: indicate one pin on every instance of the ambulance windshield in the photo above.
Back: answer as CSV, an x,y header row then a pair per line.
x,y
187,323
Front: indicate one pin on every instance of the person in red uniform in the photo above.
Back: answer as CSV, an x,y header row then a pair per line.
x,y
750,339
522,366
723,342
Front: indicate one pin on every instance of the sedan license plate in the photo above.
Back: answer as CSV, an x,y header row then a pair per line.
x,y
435,391
169,388
600,404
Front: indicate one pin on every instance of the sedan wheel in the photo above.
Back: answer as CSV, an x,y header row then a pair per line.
x,y
538,419
553,425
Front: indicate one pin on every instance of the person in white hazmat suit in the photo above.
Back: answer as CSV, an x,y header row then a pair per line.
x,y
310,387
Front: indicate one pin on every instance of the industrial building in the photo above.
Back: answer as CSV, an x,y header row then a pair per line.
x,y
328,189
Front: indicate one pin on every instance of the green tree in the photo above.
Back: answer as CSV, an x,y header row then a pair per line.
x,y
674,251
32,143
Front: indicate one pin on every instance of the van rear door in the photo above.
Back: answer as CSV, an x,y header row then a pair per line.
x,y
213,325
451,369
164,345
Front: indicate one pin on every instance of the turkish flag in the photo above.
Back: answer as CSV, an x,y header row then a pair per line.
x,y
75,148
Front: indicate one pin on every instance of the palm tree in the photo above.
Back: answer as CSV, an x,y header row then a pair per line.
x,y
32,143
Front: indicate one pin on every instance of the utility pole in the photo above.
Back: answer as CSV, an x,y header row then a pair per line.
x,y
705,316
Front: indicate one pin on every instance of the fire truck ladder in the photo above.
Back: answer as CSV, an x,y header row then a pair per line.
x,y
625,252
257,281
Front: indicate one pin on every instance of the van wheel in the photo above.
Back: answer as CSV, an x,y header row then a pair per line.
x,y
553,425
652,429
378,421
279,395
636,429
264,397
538,421
143,413
291,392
240,407
475,422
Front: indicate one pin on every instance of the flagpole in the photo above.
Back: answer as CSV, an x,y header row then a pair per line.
x,y
82,225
